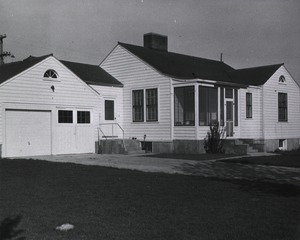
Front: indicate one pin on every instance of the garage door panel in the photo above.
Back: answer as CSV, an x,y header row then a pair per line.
x,y
28,133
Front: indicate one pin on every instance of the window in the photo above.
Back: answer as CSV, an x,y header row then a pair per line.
x,y
248,105
65,116
109,107
236,108
222,107
208,106
228,93
282,79
184,106
50,74
151,104
282,107
282,145
138,105
83,117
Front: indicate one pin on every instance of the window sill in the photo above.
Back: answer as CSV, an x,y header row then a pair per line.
x,y
151,122
51,80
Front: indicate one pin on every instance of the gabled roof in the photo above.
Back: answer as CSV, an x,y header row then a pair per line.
x,y
181,66
92,74
10,70
254,76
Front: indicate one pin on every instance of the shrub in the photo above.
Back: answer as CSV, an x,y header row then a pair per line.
x,y
213,142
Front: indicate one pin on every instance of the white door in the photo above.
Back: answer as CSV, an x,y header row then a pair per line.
x,y
27,132
74,132
109,127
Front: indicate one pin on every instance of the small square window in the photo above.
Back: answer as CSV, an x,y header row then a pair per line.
x,y
83,117
65,116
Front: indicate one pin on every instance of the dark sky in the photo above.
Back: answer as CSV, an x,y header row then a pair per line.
x,y
248,32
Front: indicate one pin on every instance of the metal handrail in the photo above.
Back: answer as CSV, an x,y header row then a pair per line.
x,y
112,127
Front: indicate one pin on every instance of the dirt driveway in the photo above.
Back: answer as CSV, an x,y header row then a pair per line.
x,y
207,168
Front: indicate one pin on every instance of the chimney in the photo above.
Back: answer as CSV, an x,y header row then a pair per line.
x,y
156,41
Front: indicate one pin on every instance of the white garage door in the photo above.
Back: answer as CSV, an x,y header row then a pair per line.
x,y
28,132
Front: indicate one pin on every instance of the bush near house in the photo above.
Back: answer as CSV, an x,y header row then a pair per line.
x,y
213,142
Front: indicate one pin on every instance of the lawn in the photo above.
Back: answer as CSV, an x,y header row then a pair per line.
x,y
283,160
106,203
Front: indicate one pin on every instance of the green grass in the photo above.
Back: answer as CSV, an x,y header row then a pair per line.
x,y
197,157
283,160
106,203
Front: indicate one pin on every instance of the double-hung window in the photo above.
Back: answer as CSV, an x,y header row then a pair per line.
x,y
138,105
282,107
145,99
248,105
151,104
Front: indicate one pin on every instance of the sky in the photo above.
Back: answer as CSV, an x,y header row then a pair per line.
x,y
249,33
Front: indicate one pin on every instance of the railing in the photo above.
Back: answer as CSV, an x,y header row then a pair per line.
x,y
112,131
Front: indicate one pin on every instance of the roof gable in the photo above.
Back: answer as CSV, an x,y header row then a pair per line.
x,y
10,70
90,74
255,76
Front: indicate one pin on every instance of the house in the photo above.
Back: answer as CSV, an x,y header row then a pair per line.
x,y
144,96
48,106
170,99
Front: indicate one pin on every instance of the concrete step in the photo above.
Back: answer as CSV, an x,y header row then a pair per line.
x,y
251,150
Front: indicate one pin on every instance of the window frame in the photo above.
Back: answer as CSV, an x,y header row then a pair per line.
x,y
153,106
60,119
50,78
139,106
282,110
105,110
186,102
208,118
249,106
88,117
144,106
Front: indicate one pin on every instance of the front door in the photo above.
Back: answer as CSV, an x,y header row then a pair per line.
x,y
229,118
109,128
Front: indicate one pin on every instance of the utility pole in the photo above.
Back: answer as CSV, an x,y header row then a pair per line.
x,y
4,54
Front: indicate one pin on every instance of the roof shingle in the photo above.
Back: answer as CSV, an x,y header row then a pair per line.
x,y
91,74
188,67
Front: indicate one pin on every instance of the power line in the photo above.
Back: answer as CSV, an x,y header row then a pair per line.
x,y
4,54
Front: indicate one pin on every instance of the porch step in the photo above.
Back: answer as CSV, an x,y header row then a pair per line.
x,y
251,150
118,146
254,145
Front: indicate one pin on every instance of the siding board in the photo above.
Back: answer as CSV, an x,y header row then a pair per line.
x,y
135,74
30,88
273,129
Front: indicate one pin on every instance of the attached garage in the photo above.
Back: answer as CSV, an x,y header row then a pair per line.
x,y
48,106
28,132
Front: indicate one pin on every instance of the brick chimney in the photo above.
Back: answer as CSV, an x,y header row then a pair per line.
x,y
156,41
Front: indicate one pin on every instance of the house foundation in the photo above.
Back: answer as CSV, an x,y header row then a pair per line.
x,y
270,145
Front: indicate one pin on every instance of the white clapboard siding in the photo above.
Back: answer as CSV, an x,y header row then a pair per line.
x,y
135,74
30,88
184,132
251,127
111,93
273,129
